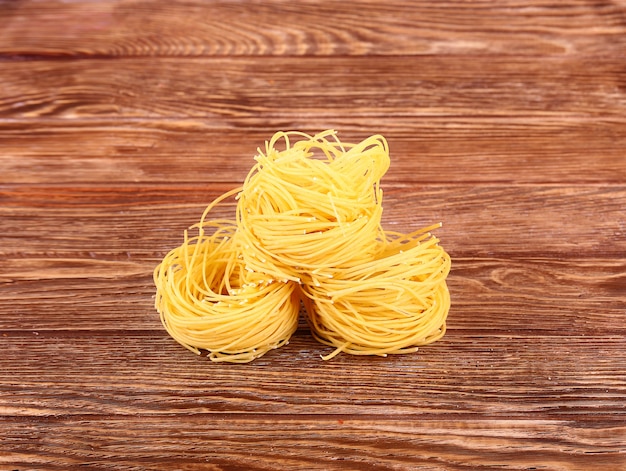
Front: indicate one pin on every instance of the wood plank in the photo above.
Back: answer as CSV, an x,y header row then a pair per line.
x,y
490,297
225,89
244,442
121,222
196,28
516,150
125,373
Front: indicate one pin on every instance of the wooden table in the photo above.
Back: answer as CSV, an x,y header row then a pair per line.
x,y
121,120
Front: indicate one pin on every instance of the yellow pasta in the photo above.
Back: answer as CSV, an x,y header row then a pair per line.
x,y
314,205
393,304
307,229
207,299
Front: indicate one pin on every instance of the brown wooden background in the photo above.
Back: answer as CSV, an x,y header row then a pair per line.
x,y
121,120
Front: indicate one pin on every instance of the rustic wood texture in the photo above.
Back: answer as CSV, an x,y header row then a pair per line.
x,y
121,120
282,27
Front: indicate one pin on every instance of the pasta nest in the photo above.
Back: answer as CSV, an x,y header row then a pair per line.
x,y
208,300
393,304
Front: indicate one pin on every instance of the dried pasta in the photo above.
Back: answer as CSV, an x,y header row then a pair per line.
x,y
314,205
306,230
208,300
392,304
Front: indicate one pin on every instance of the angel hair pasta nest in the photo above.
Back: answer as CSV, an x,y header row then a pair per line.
x,y
306,231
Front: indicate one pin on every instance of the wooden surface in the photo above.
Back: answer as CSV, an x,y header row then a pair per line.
x,y
120,121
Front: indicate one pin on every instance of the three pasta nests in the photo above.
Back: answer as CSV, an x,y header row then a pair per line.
x,y
307,232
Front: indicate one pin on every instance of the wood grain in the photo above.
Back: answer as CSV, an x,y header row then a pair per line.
x,y
562,221
194,28
504,376
121,120
358,405
492,297
496,150
224,89
200,442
